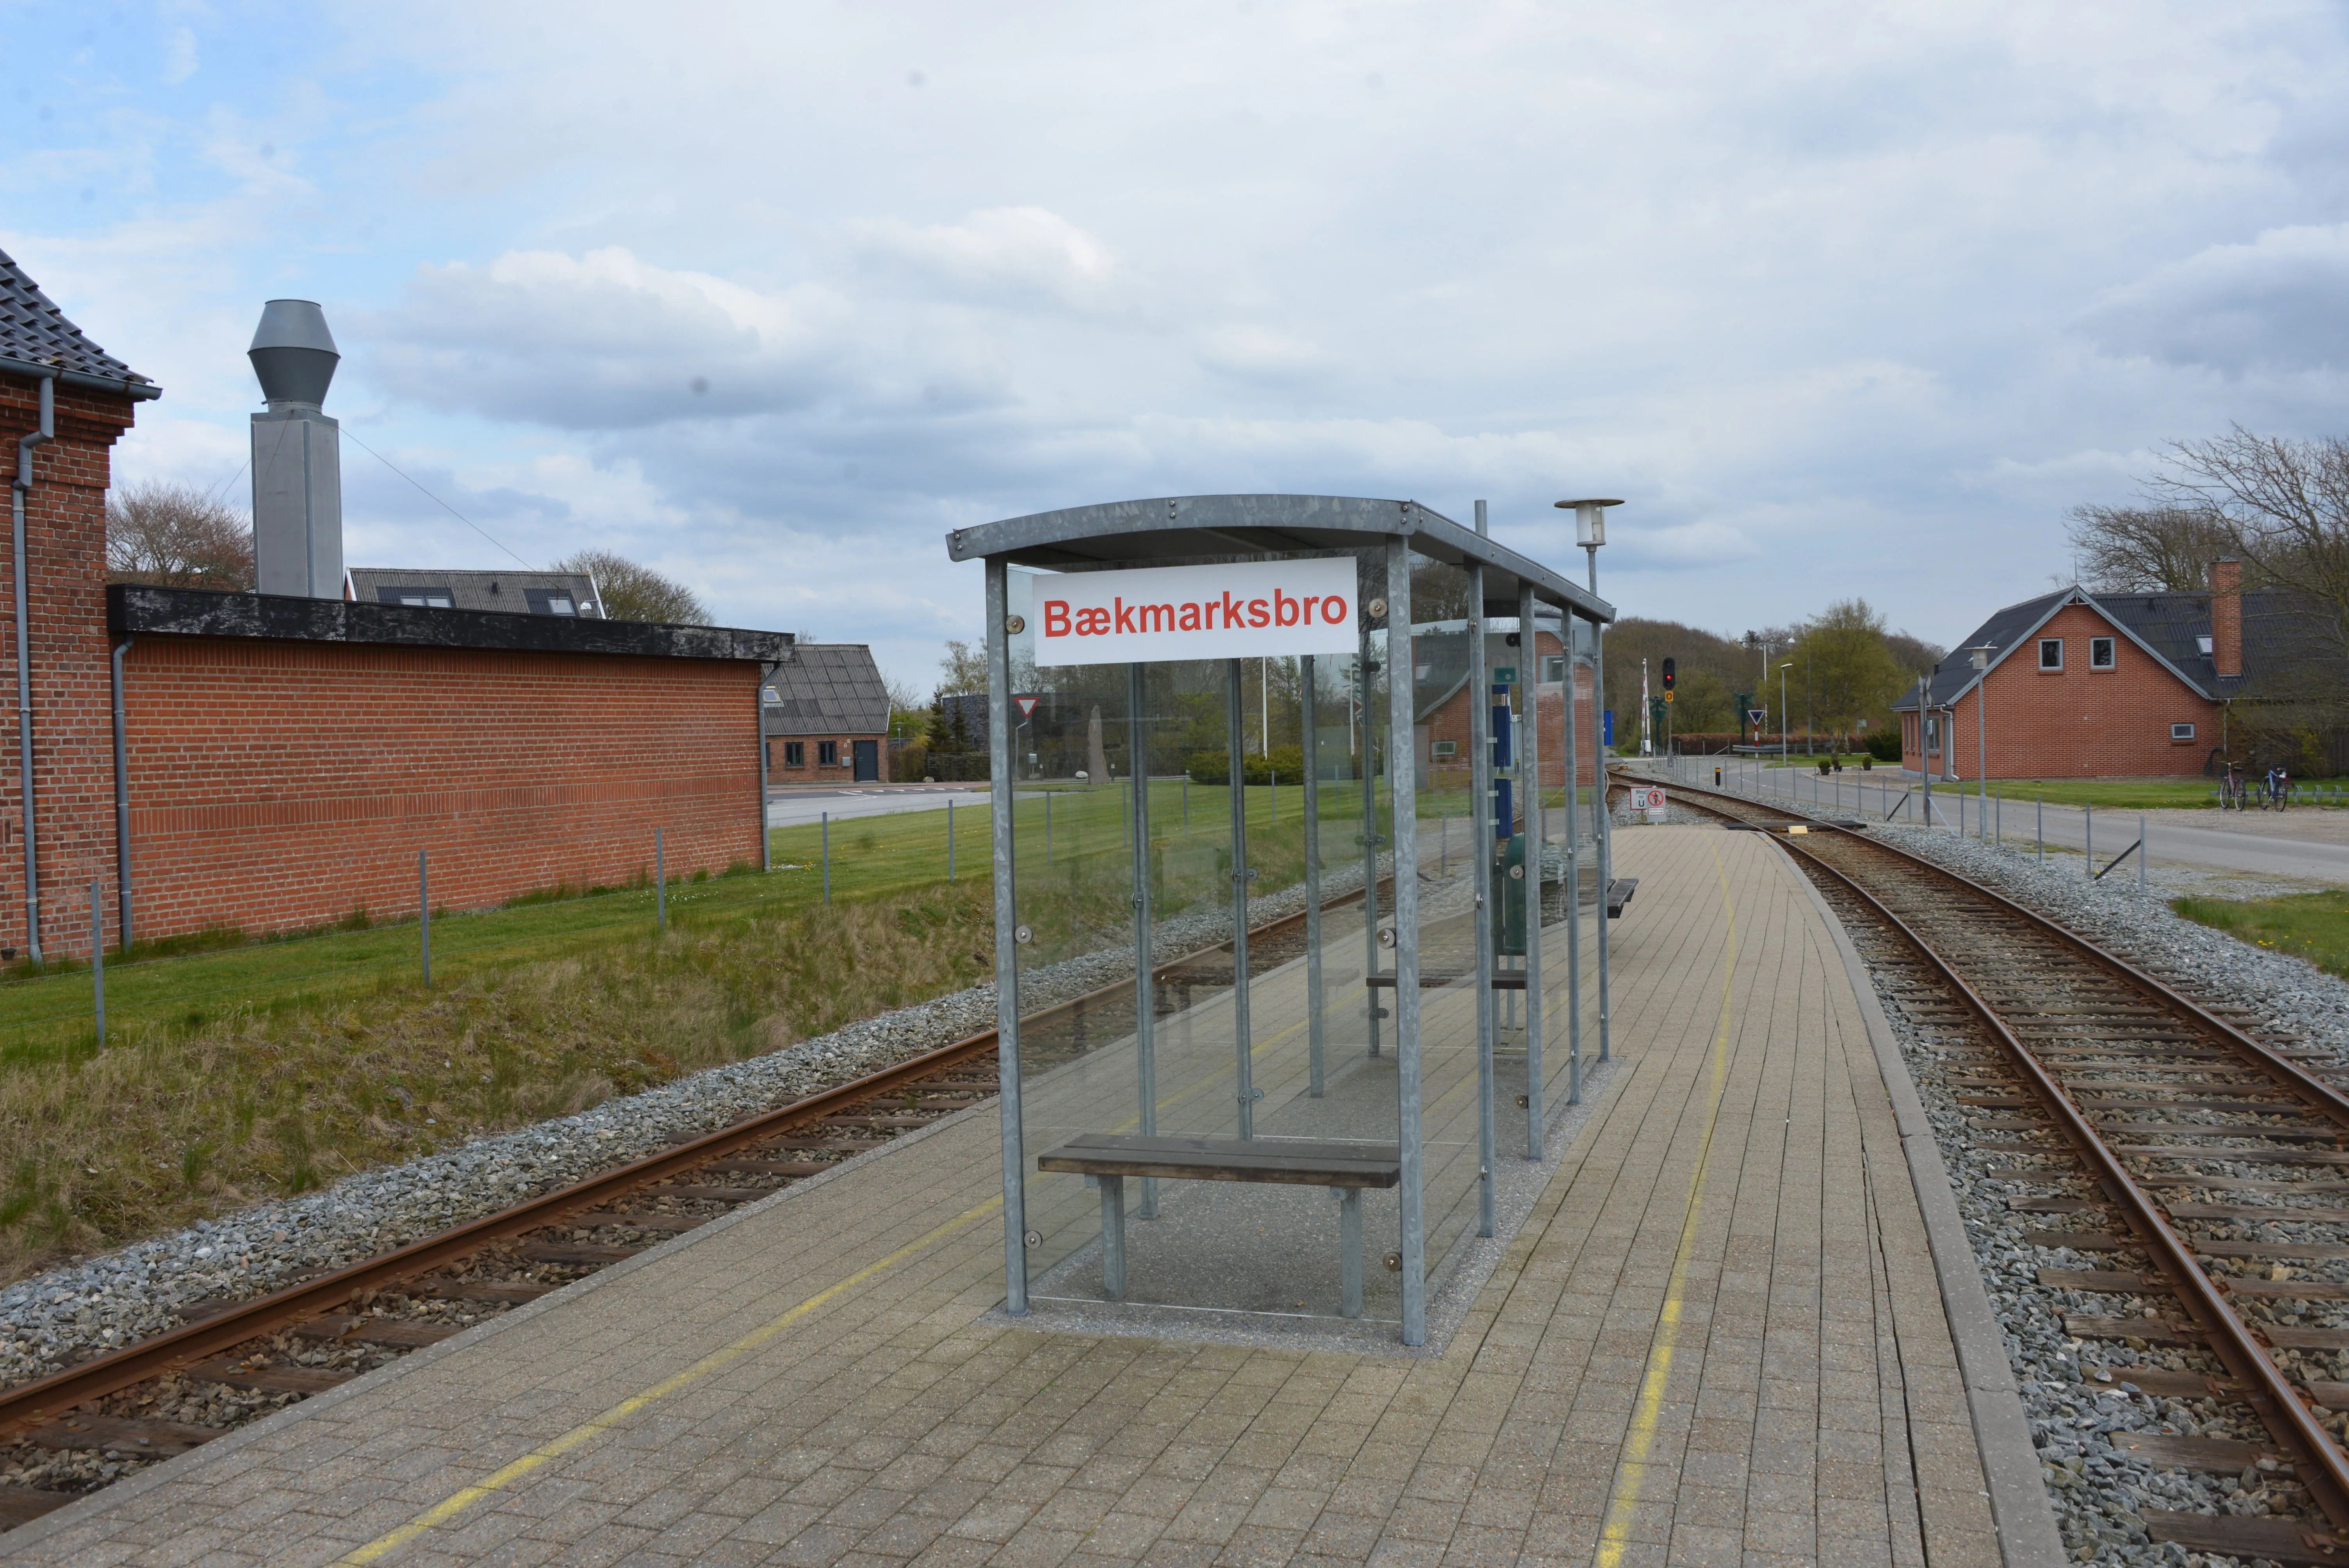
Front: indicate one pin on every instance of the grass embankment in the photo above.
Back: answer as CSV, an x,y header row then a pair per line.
x,y
2120,794
2314,926
236,1070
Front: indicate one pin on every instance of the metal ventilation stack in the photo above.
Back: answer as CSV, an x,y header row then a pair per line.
x,y
298,471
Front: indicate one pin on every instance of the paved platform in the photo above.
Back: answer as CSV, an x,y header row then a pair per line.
x,y
1718,1339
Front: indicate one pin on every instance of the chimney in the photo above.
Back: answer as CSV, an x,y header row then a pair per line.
x,y
297,470
2227,618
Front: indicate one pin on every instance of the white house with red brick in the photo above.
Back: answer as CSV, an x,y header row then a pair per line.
x,y
2083,684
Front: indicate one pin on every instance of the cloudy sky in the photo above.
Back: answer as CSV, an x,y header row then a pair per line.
x,y
1842,298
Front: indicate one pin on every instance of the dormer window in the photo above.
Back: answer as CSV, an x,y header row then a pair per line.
x,y
2203,643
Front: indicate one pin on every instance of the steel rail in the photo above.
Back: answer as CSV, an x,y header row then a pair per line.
x,y
2320,1463
2290,1075
33,1403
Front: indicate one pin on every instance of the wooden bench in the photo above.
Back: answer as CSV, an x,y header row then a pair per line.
x,y
1345,1168
1619,893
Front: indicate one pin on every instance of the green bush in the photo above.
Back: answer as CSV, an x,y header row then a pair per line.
x,y
1284,764
1884,745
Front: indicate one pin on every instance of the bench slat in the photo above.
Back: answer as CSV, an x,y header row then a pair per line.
x,y
1281,1162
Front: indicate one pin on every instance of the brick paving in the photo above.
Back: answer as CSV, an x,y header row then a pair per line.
x,y
1760,1376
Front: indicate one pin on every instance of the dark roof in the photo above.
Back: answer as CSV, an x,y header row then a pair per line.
x,y
503,593
206,613
35,332
2170,625
828,688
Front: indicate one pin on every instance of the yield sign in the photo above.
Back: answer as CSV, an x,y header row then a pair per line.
x,y
1026,706
1754,715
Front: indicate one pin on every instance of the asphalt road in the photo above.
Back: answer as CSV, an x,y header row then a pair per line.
x,y
792,808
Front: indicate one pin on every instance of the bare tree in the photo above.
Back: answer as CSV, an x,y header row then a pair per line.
x,y
2284,505
964,670
2133,549
632,592
176,536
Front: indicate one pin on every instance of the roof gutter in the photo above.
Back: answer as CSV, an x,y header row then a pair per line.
x,y
18,489
120,385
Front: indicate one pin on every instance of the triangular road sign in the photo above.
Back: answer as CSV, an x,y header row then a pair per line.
x,y
1754,715
1027,706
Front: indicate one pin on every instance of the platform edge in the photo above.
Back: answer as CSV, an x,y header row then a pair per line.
x,y
2026,1520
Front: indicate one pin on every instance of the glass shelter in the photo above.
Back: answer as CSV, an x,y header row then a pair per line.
x,y
1297,848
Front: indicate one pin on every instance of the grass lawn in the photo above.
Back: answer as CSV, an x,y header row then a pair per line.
x,y
2314,926
2121,794
247,1070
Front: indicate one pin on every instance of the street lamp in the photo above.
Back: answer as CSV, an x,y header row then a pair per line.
x,y
1782,711
1982,657
1591,532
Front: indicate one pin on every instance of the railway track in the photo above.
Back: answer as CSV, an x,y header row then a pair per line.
x,y
2201,1172
234,1361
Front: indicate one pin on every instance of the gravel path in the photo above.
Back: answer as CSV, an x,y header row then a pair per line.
x,y
2098,1492
69,1314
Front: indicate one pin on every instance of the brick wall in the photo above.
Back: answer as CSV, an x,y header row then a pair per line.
x,y
2077,722
73,738
279,785
1451,722
813,771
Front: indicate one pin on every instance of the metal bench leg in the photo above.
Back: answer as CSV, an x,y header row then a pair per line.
x,y
1113,1191
1349,1250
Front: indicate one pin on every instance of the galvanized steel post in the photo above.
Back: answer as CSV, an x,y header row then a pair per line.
x,y
1315,1025
97,954
1244,1065
1007,949
424,913
660,883
1529,769
1480,879
1370,837
1403,800
1145,981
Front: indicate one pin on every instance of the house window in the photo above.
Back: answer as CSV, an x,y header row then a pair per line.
x,y
550,601
827,754
1447,749
418,598
794,753
2100,653
2203,643
2181,732
1554,669
2051,652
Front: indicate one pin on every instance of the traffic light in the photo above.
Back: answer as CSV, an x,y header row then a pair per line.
x,y
1672,667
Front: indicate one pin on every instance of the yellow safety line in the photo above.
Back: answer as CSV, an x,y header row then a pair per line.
x,y
1625,1502
546,1453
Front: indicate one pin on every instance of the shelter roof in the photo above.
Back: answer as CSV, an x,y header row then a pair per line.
x,y
1171,529
35,335
828,688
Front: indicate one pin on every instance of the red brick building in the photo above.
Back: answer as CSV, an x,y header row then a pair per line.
x,y
827,717
267,762
2083,684
1439,738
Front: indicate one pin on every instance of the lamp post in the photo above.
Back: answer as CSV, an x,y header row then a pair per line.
x,y
1782,711
1591,532
1982,657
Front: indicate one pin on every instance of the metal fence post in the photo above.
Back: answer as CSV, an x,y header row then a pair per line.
x,y
97,954
660,883
824,830
949,842
2039,832
2088,838
2141,851
424,912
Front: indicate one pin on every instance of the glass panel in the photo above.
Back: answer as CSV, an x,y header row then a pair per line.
x,y
1206,1043
1450,1104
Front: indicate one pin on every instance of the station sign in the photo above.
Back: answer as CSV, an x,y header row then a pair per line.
x,y
1650,798
1248,610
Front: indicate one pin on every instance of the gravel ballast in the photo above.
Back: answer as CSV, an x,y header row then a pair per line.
x,y
67,1315
2099,1492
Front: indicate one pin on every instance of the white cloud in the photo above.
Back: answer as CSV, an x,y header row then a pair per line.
x,y
1003,254
179,55
602,342
2280,303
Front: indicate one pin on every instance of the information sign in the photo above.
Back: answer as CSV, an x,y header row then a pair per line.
x,y
1248,609
1650,798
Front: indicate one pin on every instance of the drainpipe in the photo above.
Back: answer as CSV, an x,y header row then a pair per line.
x,y
17,490
121,804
